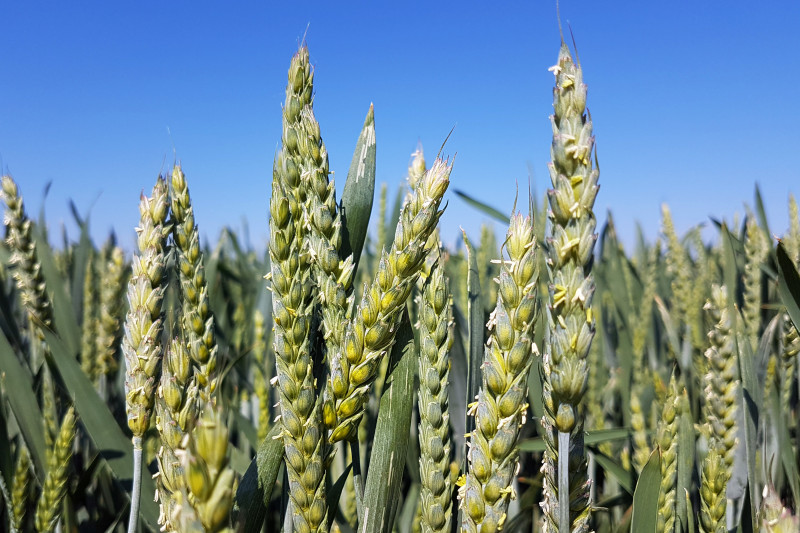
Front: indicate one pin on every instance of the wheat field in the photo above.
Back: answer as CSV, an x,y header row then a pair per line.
x,y
360,376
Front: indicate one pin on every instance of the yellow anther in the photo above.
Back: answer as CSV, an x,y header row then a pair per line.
x,y
569,245
559,295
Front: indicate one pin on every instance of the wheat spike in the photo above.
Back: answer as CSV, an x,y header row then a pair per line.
x,y
293,306
667,439
714,482
48,509
436,339
571,324
27,269
20,493
722,387
370,334
112,293
501,404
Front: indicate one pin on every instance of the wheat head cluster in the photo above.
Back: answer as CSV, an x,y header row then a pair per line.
x,y
360,376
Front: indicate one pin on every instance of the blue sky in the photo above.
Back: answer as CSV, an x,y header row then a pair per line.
x,y
692,102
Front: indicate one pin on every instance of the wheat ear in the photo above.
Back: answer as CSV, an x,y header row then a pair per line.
x,y
723,385
713,485
436,339
90,325
112,294
501,404
27,269
20,493
176,410
371,333
293,305
141,344
197,322
48,509
210,481
570,320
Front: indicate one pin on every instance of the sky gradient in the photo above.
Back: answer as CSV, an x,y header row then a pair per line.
x,y
693,103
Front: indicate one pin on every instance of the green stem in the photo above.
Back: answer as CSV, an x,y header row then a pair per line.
x,y
136,492
564,525
358,479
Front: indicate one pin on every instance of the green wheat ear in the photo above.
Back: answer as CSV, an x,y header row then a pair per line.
x,y
667,438
142,343
501,404
48,509
436,339
21,490
723,386
27,268
293,299
112,295
197,321
90,327
206,499
370,335
571,324
713,488
144,324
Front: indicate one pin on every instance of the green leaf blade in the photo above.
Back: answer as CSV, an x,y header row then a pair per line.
x,y
387,462
359,191
645,496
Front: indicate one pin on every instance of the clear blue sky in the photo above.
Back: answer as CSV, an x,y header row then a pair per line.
x,y
693,102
